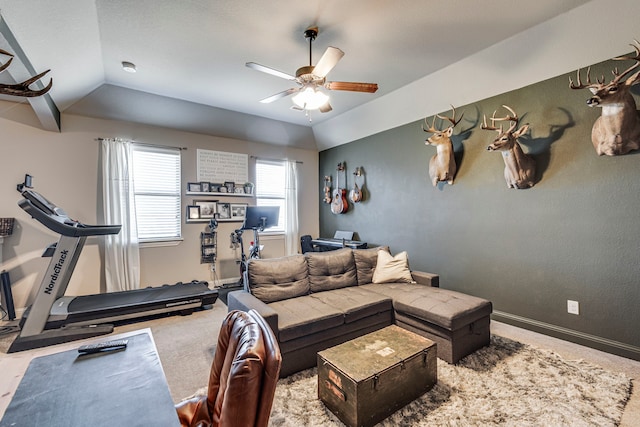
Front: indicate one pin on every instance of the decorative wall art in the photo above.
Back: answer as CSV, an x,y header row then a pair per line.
x,y
617,130
519,168
442,166
208,208
238,211
224,210
193,213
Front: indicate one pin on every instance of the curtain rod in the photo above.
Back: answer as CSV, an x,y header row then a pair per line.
x,y
147,144
275,160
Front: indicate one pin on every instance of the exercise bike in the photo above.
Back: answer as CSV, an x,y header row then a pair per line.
x,y
257,219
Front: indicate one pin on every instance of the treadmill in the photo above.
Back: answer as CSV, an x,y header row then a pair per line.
x,y
54,318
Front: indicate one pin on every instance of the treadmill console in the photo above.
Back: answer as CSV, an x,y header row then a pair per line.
x,y
54,217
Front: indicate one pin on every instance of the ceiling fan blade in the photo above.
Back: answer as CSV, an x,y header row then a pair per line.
x,y
279,95
329,59
326,108
352,86
270,70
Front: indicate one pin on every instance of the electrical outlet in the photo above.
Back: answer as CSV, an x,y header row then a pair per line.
x,y
573,307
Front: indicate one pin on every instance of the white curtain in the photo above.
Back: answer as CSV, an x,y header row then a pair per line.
x,y
122,256
291,238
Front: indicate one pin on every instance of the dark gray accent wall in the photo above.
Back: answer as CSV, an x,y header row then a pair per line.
x,y
574,236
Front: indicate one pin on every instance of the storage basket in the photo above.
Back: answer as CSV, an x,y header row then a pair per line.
x,y
6,226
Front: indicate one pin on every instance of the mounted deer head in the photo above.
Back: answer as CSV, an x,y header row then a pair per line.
x,y
22,89
617,130
442,166
519,168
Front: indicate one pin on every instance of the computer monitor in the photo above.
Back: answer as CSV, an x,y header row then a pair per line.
x,y
260,217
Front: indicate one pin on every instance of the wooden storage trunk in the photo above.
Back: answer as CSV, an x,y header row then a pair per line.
x,y
365,380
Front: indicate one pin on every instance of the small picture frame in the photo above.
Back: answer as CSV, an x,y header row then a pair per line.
x,y
208,208
224,211
231,186
194,187
193,213
215,187
238,211
205,187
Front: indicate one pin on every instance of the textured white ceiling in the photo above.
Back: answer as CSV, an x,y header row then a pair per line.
x,y
194,51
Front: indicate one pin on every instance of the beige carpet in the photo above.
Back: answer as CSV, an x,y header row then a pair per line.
x,y
186,345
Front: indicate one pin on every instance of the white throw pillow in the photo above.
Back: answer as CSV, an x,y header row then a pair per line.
x,y
392,269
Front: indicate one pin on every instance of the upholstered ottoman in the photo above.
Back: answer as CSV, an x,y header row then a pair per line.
x,y
457,322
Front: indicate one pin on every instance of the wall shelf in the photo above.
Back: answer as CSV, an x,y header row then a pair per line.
x,y
215,194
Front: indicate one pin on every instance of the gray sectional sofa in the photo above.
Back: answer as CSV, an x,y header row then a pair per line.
x,y
321,299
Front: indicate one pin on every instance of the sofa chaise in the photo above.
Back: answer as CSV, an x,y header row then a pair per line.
x,y
321,299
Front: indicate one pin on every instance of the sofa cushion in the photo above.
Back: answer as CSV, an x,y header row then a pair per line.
x,y
303,316
275,279
449,309
331,269
356,303
392,268
366,260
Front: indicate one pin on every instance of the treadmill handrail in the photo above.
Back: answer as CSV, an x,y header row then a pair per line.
x,y
65,225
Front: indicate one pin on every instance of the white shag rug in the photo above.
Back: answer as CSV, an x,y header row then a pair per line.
x,y
505,384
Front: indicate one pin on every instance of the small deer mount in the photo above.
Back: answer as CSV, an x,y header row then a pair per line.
x,y
442,166
22,89
617,130
519,168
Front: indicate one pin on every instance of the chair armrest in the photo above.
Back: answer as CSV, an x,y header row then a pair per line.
x,y
428,279
244,301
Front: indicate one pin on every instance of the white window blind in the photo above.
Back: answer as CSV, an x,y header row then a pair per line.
x,y
270,188
156,183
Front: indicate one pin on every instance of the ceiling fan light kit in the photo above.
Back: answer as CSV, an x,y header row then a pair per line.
x,y
310,98
310,79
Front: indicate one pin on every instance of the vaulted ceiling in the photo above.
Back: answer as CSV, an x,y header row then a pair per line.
x,y
190,54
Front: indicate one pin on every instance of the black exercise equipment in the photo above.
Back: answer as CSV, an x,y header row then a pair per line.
x,y
54,318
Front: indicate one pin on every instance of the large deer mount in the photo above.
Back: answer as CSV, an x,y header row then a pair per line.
x,y
442,166
519,168
617,130
22,89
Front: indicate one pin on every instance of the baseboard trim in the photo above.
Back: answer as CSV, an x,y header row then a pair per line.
x,y
588,340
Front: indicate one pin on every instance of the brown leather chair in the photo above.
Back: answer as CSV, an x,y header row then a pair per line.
x,y
243,376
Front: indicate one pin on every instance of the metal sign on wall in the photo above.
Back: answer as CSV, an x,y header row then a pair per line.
x,y
221,166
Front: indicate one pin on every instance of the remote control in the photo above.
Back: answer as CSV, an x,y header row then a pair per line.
x,y
102,346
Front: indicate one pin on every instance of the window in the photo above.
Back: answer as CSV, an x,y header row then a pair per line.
x,y
156,187
270,188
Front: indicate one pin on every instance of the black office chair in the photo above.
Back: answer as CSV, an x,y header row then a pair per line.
x,y
306,245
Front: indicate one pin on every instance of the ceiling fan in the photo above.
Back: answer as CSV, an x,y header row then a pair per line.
x,y
310,79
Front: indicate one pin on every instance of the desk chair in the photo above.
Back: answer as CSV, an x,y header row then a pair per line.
x,y
243,376
306,245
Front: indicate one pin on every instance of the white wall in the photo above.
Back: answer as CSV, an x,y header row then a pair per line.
x,y
582,36
65,169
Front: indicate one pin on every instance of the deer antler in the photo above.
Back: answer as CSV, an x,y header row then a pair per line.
x,y
452,120
4,66
22,89
580,85
636,57
617,76
513,119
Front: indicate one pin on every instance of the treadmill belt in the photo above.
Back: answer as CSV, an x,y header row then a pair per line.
x,y
138,296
